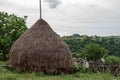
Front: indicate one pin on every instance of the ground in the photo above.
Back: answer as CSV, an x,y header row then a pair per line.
x,y
7,74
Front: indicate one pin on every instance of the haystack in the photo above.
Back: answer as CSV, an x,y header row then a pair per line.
x,y
41,49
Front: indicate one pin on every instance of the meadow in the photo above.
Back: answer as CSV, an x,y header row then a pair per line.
x,y
9,74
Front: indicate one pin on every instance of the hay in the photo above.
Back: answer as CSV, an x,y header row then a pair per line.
x,y
41,49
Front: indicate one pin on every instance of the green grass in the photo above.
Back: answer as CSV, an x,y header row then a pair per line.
x,y
7,74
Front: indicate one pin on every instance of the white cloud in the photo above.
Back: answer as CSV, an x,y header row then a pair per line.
x,y
93,17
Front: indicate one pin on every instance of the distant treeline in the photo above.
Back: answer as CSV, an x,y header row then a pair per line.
x,y
77,42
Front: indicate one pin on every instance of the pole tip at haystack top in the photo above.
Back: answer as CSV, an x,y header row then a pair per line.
x,y
40,9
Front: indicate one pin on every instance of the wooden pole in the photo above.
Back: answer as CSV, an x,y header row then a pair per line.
x,y
40,9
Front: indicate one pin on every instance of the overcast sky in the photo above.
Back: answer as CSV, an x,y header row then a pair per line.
x,y
66,17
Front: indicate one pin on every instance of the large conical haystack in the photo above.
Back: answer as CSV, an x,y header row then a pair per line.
x,y
41,49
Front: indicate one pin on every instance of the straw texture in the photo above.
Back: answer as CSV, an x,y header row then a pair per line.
x,y
41,49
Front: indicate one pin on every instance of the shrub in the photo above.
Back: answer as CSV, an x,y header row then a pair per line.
x,y
93,52
76,67
113,60
11,27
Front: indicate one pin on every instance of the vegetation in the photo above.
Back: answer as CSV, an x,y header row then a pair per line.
x,y
77,43
113,60
94,47
9,74
11,27
93,52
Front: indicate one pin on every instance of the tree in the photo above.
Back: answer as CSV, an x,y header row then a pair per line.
x,y
93,52
76,35
111,43
11,27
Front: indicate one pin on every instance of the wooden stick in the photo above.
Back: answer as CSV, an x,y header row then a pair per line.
x,y
40,9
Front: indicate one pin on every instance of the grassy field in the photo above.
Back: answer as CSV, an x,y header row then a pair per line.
x,y
7,74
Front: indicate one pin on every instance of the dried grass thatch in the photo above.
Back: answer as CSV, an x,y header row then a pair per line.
x,y
41,49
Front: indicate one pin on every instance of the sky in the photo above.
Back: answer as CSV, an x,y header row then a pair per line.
x,y
67,17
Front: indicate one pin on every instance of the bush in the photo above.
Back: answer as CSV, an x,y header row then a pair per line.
x,y
76,67
93,52
113,60
11,27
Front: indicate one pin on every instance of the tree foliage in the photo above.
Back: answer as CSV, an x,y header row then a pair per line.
x,y
11,27
76,44
93,52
